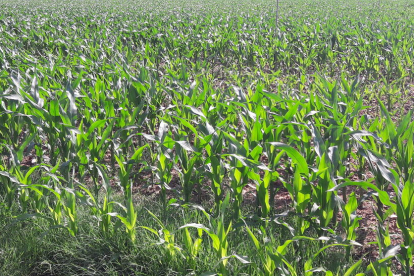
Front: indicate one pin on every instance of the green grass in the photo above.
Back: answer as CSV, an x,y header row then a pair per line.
x,y
38,250
35,249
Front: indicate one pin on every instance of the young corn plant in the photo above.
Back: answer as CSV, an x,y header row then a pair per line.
x,y
273,261
239,178
350,221
101,211
324,198
262,191
300,189
93,150
218,233
215,164
189,164
164,167
404,212
383,175
166,239
129,218
192,246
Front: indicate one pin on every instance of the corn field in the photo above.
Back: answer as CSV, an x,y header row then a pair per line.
x,y
268,147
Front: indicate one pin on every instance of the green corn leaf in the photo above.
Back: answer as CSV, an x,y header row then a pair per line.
x,y
72,102
295,155
383,195
196,111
